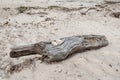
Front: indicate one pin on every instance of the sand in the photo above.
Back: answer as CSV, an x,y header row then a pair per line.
x,y
46,20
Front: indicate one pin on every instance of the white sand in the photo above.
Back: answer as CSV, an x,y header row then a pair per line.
x,y
20,29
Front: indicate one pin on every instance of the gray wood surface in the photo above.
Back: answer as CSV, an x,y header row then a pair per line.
x,y
69,45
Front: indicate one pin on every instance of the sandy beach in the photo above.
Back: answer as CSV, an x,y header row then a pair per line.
x,y
25,22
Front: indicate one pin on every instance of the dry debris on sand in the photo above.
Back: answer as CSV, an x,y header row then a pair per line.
x,y
27,22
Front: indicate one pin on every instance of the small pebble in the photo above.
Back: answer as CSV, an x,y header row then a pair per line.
x,y
117,70
56,42
110,65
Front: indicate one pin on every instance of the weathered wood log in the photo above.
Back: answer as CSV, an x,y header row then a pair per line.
x,y
62,48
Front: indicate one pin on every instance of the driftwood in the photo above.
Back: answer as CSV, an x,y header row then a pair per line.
x,y
60,49
115,14
112,1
